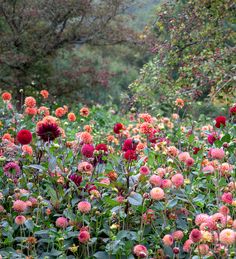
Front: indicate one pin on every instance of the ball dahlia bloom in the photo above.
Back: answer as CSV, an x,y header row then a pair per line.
x,y
84,236
71,117
87,150
220,121
6,97
178,235
20,220
19,206
177,180
217,153
140,251
84,207
84,112
187,245
183,156
118,127
227,237
232,110
144,170
44,93
62,222
195,235
30,102
168,240
227,197
27,150
129,144
130,155
59,112
24,137
155,180
157,193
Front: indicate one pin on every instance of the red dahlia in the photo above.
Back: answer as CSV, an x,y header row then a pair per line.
x,y
102,147
118,127
130,155
129,144
232,110
87,150
220,121
24,137
48,131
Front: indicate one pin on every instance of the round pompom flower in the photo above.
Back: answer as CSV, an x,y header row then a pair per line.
x,y
203,249
178,235
177,180
118,127
12,170
20,220
59,112
140,251
157,194
168,240
144,170
130,155
183,156
217,153
227,237
195,235
6,96
201,218
84,112
48,131
227,197
27,150
129,144
71,117
84,207
84,236
87,150
187,245
44,93
24,137
30,102
220,121
31,111
155,180
102,147
62,222
19,206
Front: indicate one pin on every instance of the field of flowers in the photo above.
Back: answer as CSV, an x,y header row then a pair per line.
x,y
90,184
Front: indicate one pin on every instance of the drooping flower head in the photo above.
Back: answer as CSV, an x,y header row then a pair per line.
x,y
48,131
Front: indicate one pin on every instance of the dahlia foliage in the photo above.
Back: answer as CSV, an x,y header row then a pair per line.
x,y
86,183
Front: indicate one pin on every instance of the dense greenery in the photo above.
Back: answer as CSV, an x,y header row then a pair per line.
x,y
195,54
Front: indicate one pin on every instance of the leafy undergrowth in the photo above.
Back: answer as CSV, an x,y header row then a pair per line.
x,y
90,184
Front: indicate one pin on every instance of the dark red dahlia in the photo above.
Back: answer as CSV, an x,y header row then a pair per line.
x,y
101,147
212,138
129,144
48,131
232,110
118,127
77,179
24,137
87,150
220,121
130,155
196,150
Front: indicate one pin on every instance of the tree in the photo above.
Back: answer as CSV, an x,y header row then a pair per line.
x,y
32,31
194,53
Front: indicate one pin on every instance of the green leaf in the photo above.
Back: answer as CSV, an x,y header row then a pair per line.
x,y
135,199
226,138
172,203
29,225
101,255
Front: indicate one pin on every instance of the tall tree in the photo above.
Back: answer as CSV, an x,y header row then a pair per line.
x,y
194,53
32,31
